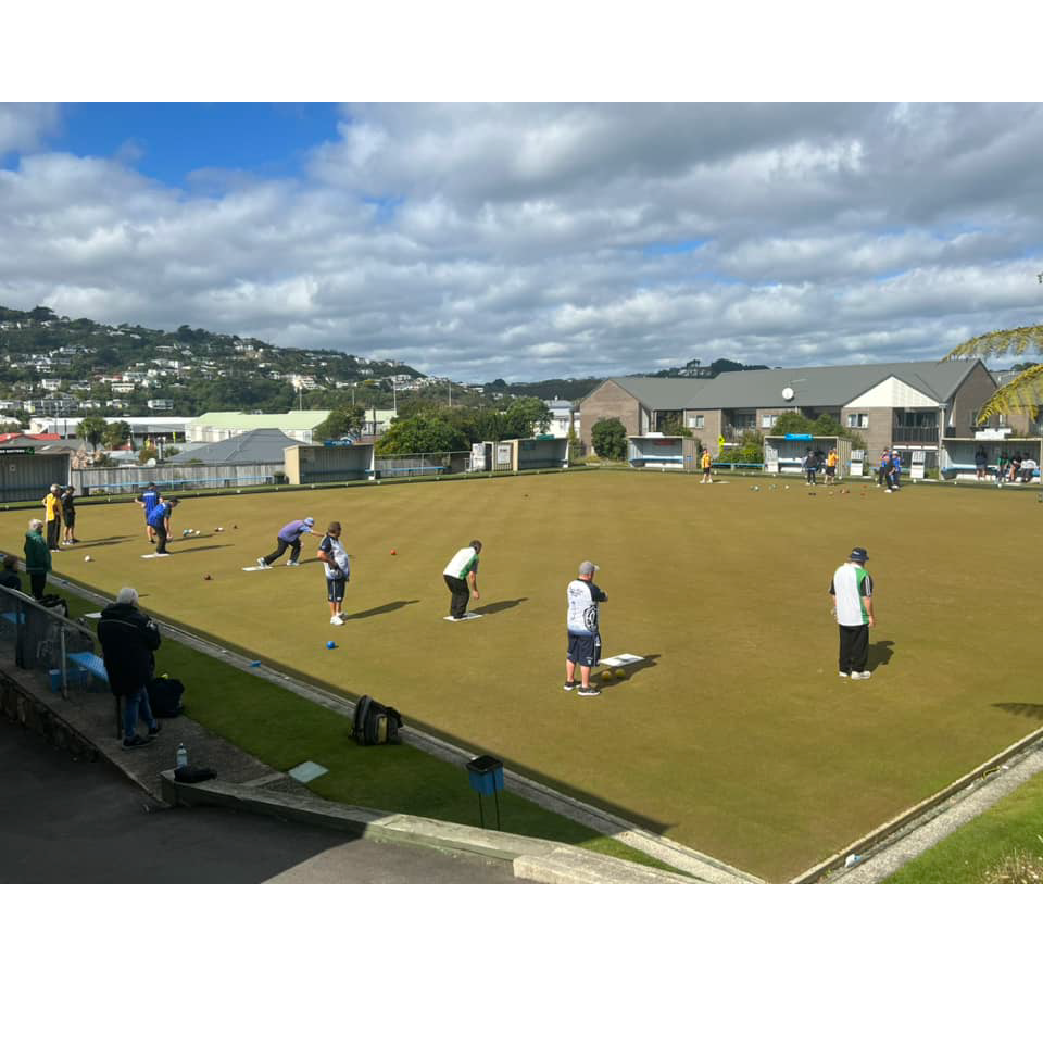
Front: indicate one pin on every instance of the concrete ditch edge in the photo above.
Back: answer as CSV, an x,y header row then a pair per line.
x,y
540,861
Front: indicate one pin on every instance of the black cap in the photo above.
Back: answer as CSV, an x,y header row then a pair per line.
x,y
859,554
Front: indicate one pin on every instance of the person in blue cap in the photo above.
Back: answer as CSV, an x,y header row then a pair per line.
x,y
290,537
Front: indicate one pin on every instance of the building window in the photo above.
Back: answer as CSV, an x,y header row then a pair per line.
x,y
697,421
858,420
769,421
744,420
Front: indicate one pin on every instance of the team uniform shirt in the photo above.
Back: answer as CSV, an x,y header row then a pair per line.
x,y
831,460
850,584
461,563
157,516
706,460
291,532
334,549
583,613
53,506
149,499
68,502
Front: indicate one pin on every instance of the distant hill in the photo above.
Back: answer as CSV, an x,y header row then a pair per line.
x,y
696,371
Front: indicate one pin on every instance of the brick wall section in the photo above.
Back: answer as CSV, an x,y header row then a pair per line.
x,y
710,432
973,393
607,401
879,433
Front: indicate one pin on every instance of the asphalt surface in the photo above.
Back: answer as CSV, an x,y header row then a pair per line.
x,y
74,822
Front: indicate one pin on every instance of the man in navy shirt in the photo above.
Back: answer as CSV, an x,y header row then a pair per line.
x,y
147,501
159,522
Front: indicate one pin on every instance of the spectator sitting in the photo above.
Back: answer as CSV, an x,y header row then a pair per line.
x,y
1028,469
8,576
128,639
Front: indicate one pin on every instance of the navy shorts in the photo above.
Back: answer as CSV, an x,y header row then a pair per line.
x,y
830,471
335,589
584,649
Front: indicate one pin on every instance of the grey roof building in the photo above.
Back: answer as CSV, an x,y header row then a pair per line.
x,y
890,404
263,446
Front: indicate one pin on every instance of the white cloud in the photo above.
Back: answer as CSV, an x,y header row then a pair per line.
x,y
562,238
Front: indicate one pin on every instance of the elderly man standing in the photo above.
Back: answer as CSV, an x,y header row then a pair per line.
x,y
852,590
37,558
461,570
583,624
128,640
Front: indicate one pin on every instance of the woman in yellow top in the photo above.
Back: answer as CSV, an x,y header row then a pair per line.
x,y
706,467
54,517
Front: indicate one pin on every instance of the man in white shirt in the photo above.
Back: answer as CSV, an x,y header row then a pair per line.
x,y
462,568
583,622
338,571
852,590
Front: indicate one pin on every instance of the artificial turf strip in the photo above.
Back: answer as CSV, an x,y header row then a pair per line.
x,y
283,729
737,738
1013,824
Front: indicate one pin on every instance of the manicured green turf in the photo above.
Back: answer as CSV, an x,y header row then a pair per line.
x,y
283,730
1014,824
738,738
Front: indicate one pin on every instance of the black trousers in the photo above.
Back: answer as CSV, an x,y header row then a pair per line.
x,y
461,594
54,532
280,550
161,539
37,581
854,648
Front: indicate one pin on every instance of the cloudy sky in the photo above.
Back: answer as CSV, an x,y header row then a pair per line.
x,y
539,240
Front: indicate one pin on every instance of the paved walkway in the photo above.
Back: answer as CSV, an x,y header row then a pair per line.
x,y
75,822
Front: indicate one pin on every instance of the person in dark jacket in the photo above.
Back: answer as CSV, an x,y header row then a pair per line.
x,y
8,576
128,640
37,558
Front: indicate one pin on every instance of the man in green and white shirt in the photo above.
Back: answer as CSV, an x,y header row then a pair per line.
x,y
462,568
852,590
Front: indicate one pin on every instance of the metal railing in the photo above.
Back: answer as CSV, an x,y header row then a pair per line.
x,y
916,435
34,637
419,465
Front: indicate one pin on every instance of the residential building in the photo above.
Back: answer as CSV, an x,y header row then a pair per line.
x,y
904,405
215,427
160,404
561,416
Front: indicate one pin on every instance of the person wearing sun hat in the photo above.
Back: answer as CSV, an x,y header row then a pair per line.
x,y
852,591
290,536
583,624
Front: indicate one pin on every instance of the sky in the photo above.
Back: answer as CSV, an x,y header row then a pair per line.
x,y
536,240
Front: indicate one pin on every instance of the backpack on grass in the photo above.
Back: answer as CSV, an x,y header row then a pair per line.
x,y
54,603
375,724
164,696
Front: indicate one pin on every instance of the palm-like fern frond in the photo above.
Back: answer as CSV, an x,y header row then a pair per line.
x,y
1022,341
1024,394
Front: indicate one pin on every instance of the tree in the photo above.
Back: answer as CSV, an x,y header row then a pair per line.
x,y
341,421
1024,394
674,426
609,438
116,434
574,444
825,426
526,416
91,429
421,434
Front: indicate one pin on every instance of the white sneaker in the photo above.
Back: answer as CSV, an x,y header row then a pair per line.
x,y
843,675
863,676
292,564
336,621
855,675
262,563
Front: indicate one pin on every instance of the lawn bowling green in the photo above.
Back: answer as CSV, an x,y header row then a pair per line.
x,y
735,735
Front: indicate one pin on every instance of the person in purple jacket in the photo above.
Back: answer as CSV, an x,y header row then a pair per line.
x,y
290,536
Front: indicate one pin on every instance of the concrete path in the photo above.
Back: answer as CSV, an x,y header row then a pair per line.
x,y
76,822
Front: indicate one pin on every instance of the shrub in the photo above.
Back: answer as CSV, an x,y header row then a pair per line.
x,y
609,438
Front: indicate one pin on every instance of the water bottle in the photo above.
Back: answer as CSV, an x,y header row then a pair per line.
x,y
182,756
